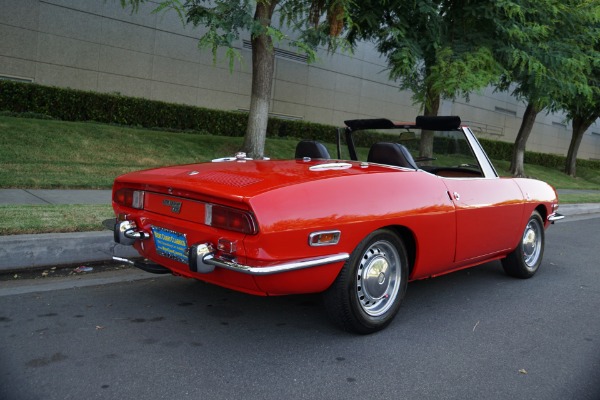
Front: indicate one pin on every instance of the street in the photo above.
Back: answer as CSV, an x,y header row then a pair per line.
x,y
474,334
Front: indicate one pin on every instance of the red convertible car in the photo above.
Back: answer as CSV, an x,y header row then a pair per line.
x,y
358,231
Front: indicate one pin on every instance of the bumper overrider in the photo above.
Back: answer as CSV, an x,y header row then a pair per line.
x,y
555,217
203,258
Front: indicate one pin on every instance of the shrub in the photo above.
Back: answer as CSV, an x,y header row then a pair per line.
x,y
497,150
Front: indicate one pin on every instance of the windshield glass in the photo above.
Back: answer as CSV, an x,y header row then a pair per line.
x,y
444,153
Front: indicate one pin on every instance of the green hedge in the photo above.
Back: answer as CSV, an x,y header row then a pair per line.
x,y
78,105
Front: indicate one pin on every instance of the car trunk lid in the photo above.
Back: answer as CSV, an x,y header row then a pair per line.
x,y
239,180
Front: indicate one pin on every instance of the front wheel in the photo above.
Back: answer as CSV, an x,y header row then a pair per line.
x,y
368,292
525,260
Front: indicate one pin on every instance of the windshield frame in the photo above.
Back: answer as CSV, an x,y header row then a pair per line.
x,y
441,123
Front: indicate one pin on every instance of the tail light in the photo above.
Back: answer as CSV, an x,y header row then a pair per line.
x,y
129,198
230,219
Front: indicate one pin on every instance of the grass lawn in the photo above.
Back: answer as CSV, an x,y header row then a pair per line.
x,y
579,198
22,219
587,179
47,154
56,154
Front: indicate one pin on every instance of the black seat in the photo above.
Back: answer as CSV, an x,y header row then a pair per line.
x,y
312,149
391,154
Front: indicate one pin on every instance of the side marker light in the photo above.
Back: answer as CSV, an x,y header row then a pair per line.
x,y
324,238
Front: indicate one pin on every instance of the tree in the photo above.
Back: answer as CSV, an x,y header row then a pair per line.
x,y
435,48
583,111
448,48
317,22
546,58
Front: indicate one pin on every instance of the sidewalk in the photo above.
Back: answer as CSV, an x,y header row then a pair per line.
x,y
48,249
48,196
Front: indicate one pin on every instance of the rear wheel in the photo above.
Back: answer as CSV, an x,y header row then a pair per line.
x,y
368,292
525,260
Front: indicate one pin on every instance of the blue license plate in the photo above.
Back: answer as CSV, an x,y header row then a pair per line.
x,y
170,244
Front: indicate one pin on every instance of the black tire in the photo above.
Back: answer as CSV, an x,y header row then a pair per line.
x,y
525,260
369,289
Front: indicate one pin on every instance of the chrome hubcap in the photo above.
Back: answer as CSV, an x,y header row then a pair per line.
x,y
378,278
532,244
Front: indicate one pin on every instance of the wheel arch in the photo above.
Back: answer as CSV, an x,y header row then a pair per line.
x,y
541,209
410,243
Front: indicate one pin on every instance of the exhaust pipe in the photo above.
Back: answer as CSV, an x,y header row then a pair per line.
x,y
144,265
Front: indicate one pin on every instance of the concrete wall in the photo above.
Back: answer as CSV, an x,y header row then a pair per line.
x,y
96,45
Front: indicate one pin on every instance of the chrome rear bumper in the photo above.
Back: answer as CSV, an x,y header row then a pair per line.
x,y
207,263
202,259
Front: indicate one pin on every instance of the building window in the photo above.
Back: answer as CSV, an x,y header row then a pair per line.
x,y
280,53
15,78
505,111
559,124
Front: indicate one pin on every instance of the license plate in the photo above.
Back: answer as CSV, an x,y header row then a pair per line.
x,y
170,244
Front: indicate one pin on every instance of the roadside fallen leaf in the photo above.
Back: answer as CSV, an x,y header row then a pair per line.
x,y
523,371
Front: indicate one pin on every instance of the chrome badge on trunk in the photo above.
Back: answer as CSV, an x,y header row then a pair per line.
x,y
174,205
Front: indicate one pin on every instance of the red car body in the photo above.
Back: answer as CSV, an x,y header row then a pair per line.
x,y
277,227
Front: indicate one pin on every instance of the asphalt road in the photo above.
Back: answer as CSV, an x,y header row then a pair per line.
x,y
474,334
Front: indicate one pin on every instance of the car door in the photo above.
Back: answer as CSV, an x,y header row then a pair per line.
x,y
488,215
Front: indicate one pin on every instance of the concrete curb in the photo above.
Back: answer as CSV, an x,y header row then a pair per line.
x,y
579,209
50,249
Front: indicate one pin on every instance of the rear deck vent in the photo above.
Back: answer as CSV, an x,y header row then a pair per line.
x,y
228,179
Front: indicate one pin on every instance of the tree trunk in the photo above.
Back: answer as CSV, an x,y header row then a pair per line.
x,y
263,66
432,106
517,167
580,125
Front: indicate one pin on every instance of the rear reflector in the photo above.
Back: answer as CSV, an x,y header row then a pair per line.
x,y
227,246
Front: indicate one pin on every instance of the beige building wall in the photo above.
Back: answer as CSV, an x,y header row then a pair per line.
x,y
96,45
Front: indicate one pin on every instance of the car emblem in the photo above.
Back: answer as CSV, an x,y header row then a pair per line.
x,y
175,205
